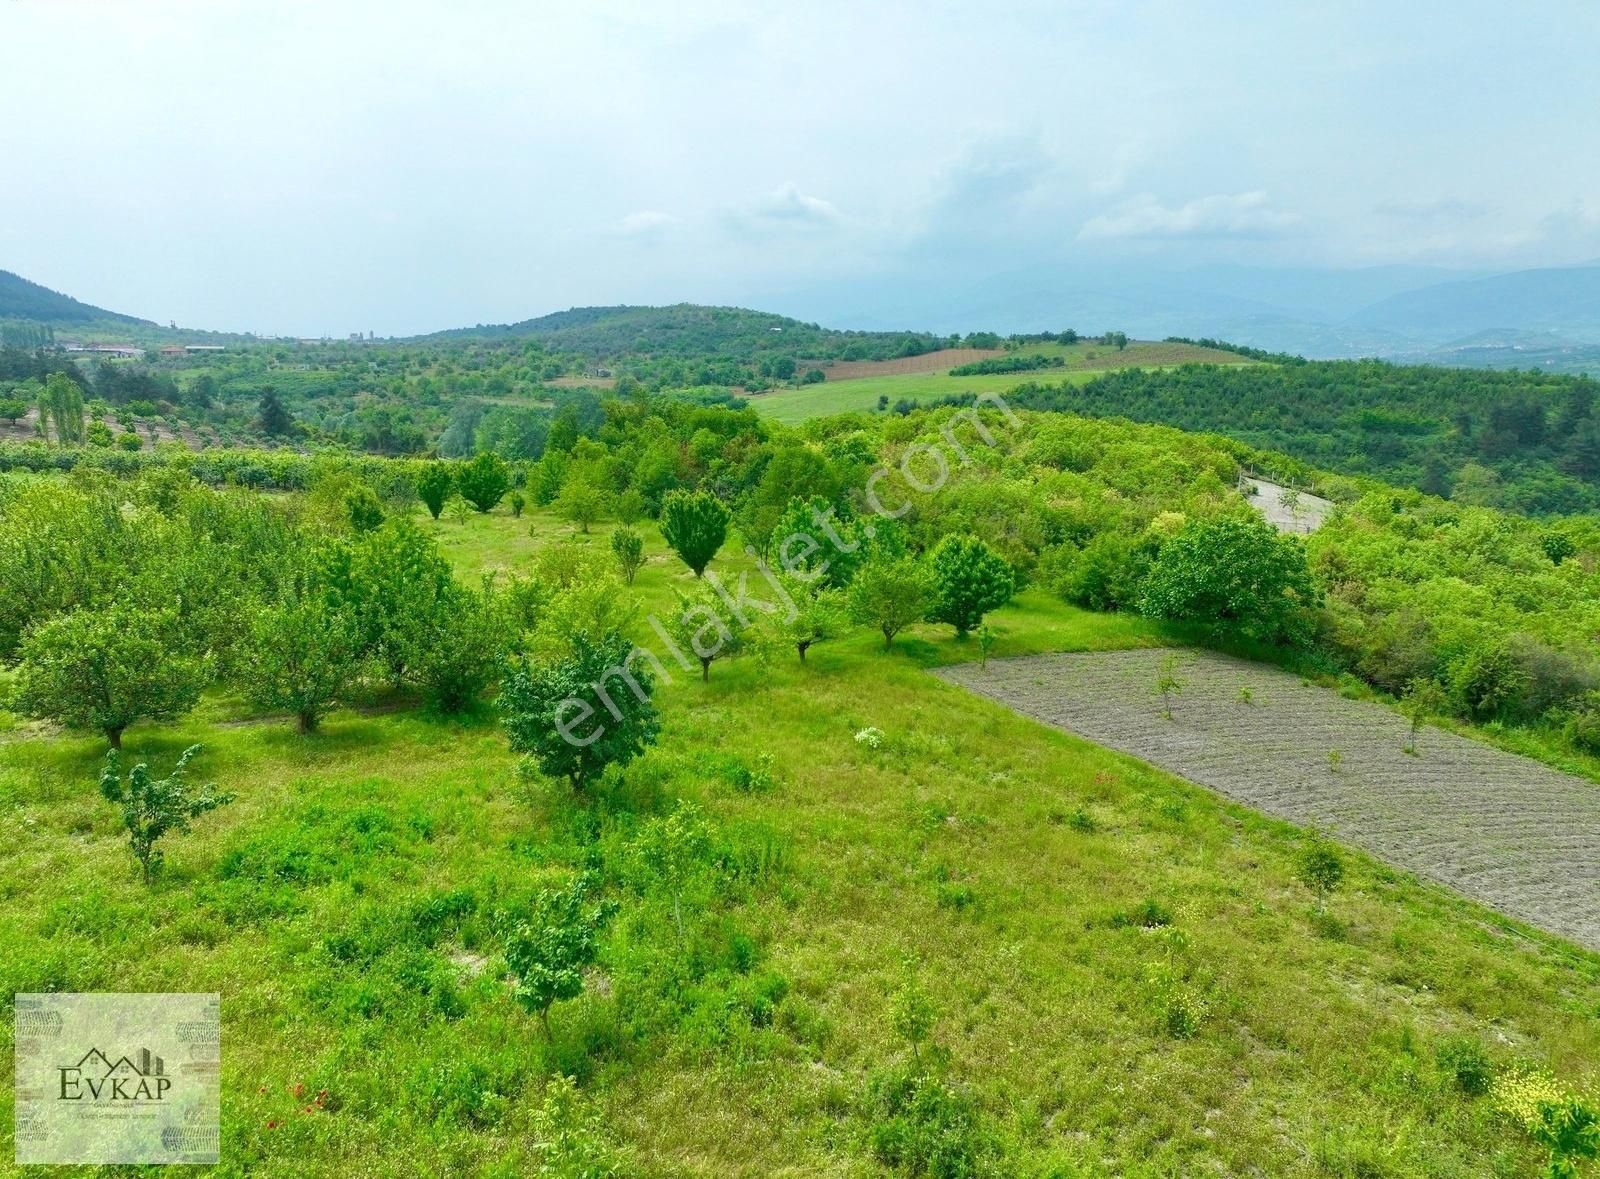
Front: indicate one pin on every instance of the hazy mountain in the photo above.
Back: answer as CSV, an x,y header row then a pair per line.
x,y
1564,301
21,299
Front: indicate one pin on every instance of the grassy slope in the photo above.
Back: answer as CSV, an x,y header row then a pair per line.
x,y
948,845
1083,363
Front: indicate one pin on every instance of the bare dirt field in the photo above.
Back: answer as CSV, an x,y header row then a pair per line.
x,y
1507,831
1302,514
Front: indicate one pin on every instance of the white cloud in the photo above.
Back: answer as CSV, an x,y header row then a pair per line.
x,y
1240,214
646,221
789,206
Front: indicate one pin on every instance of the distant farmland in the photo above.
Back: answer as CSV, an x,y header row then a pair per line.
x,y
846,393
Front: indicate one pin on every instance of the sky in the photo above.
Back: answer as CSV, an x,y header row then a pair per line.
x,y
400,167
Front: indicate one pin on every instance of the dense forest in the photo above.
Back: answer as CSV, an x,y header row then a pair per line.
x,y
1523,441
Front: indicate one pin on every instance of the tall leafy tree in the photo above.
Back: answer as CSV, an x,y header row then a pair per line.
x,y
272,418
1234,575
105,669
484,481
695,524
969,580
578,713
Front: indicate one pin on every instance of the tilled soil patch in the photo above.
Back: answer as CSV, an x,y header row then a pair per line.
x,y
1505,830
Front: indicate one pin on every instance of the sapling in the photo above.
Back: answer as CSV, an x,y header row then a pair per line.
x,y
546,953
1335,761
628,547
152,807
1320,868
913,1014
1423,700
985,645
1168,685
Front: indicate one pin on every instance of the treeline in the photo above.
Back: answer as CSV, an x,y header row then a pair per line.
x,y
1008,364
1522,441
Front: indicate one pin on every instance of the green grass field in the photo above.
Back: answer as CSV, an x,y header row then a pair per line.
x,y
1084,362
345,907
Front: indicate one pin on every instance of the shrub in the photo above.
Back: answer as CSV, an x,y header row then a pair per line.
x,y
921,1126
628,546
1466,1063
1320,867
151,808
518,502
363,510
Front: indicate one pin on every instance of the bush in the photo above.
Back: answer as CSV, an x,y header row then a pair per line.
x,y
434,485
921,1126
1466,1063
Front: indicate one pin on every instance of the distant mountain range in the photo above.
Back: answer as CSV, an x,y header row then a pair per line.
x,y
1546,318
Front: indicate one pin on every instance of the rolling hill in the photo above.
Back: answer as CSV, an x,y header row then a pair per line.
x,y
21,299
688,329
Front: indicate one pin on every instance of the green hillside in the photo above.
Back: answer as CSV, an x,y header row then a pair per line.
x,y
21,299
688,329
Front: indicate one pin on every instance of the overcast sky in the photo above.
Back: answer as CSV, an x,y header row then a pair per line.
x,y
402,167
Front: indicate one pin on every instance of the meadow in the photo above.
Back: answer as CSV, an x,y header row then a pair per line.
x,y
1082,361
1123,974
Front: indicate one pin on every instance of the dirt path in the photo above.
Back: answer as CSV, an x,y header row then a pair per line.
x,y
1507,831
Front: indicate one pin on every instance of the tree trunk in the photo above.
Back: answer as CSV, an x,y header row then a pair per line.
x,y
888,638
115,737
801,647
544,1018
705,671
308,722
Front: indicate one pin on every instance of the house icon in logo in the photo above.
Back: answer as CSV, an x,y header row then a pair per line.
x,y
96,1077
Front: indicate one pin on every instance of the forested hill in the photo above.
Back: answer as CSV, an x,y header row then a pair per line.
x,y
21,299
1525,441
687,329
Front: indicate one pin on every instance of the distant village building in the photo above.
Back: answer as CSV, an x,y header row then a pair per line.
x,y
104,349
